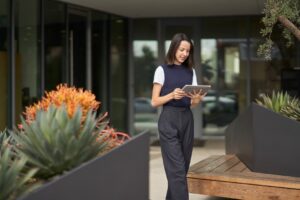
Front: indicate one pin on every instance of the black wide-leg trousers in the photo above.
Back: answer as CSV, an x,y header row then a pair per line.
x,y
176,134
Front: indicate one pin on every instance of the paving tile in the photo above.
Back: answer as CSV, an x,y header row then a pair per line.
x,y
158,181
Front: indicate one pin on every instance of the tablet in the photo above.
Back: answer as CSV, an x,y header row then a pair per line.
x,y
191,88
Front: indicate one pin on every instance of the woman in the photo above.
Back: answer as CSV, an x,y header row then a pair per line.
x,y
176,123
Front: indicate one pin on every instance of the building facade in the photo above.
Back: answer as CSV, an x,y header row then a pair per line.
x,y
44,43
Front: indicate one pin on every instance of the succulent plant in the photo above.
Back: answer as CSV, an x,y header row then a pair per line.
x,y
72,97
3,139
292,112
281,103
277,101
55,142
13,179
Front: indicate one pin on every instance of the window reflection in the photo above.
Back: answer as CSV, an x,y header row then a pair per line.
x,y
99,58
77,47
280,73
275,74
167,45
209,61
27,49
118,72
55,36
222,68
145,57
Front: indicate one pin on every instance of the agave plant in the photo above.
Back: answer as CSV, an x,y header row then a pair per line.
x,y
292,112
3,139
55,142
72,97
13,180
281,103
277,101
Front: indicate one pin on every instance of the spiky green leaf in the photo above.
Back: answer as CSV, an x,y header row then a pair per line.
x,y
55,142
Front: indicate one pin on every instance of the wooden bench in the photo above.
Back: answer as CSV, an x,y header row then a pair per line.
x,y
227,176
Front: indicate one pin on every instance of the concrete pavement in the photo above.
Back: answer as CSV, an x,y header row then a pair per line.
x,y
158,181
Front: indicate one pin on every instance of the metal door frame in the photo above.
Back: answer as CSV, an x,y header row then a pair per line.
x,y
70,76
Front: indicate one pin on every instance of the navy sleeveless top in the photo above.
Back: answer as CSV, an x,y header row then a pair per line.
x,y
176,76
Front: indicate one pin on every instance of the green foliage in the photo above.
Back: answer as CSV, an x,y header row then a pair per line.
x,y
290,9
13,179
292,112
3,139
56,143
275,102
281,103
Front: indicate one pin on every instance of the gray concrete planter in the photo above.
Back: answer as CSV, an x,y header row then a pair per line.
x,y
265,141
123,173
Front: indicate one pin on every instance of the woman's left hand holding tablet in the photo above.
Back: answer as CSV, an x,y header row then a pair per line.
x,y
196,97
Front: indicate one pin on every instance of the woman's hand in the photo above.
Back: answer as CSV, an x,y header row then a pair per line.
x,y
178,93
196,97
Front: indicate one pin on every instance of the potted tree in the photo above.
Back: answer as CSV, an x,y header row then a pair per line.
x,y
284,14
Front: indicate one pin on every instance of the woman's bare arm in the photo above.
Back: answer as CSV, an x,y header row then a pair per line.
x,y
158,100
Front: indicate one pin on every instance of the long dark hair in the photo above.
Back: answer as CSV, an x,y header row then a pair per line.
x,y
171,55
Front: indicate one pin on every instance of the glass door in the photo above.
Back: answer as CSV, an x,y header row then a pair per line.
x,y
223,66
77,29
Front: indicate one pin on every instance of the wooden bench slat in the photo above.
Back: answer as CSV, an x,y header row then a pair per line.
x,y
246,170
204,162
227,165
228,168
241,178
212,165
241,191
238,167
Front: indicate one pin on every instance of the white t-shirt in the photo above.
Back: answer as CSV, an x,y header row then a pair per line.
x,y
159,76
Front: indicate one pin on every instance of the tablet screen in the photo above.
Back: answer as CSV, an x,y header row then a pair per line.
x,y
196,88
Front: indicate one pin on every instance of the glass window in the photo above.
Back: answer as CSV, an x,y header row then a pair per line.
x,y
254,26
118,73
55,36
3,62
224,27
77,29
99,58
276,74
145,57
224,66
27,53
